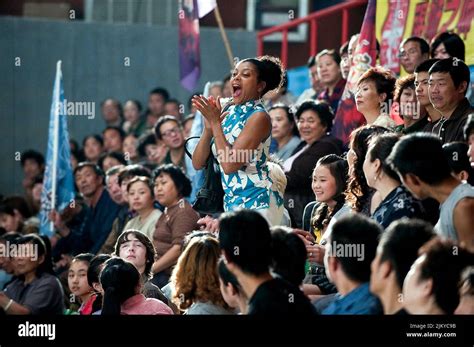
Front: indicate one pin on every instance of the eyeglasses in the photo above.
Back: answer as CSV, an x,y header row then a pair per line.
x,y
168,133
412,51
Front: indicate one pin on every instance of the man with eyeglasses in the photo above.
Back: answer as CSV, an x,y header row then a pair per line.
x,y
413,51
169,130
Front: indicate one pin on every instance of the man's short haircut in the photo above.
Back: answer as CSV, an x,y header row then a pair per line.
x,y
456,153
424,46
456,68
245,238
161,91
401,242
311,61
444,263
32,155
162,121
131,171
469,127
117,129
420,154
289,255
97,170
355,232
425,66
113,170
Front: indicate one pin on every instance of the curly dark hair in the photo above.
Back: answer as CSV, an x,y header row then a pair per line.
x,y
358,192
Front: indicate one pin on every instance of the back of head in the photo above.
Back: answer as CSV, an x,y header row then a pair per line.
x,y
380,147
400,243
245,238
443,264
456,153
420,154
289,255
353,242
195,276
119,279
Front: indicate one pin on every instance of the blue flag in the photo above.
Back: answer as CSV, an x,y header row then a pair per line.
x,y
58,184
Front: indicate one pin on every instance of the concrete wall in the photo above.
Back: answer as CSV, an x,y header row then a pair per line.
x,y
93,69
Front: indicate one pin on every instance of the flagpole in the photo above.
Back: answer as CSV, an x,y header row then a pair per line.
x,y
57,96
224,36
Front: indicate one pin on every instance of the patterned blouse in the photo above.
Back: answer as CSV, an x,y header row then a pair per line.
x,y
250,186
398,204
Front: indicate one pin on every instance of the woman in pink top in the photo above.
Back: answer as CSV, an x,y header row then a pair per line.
x,y
120,280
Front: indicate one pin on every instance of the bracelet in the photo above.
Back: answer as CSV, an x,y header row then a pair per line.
x,y
7,306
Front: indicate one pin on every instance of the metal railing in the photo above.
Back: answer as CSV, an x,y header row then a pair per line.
x,y
312,19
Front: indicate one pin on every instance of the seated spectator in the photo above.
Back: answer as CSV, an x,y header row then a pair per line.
x,y
349,252
35,291
111,159
226,87
329,185
279,96
32,164
284,131
427,109
408,107
344,64
396,200
248,232
374,96
76,158
93,147
113,139
396,252
124,176
447,45
195,278
288,256
168,130
99,215
187,125
469,137
424,170
466,292
314,124
413,51
93,272
13,214
111,112
153,150
457,155
112,185
130,149
431,285
449,81
173,108
141,201
231,290
134,124
81,292
177,220
120,281
316,87
137,248
156,105
329,73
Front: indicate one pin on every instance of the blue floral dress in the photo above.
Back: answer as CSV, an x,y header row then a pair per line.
x,y
251,186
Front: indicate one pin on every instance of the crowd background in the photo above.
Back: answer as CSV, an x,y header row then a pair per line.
x,y
326,227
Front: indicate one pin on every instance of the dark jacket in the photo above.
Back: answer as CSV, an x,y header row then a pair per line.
x,y
298,190
451,129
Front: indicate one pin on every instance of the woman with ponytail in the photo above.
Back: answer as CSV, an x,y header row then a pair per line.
x,y
240,136
121,283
